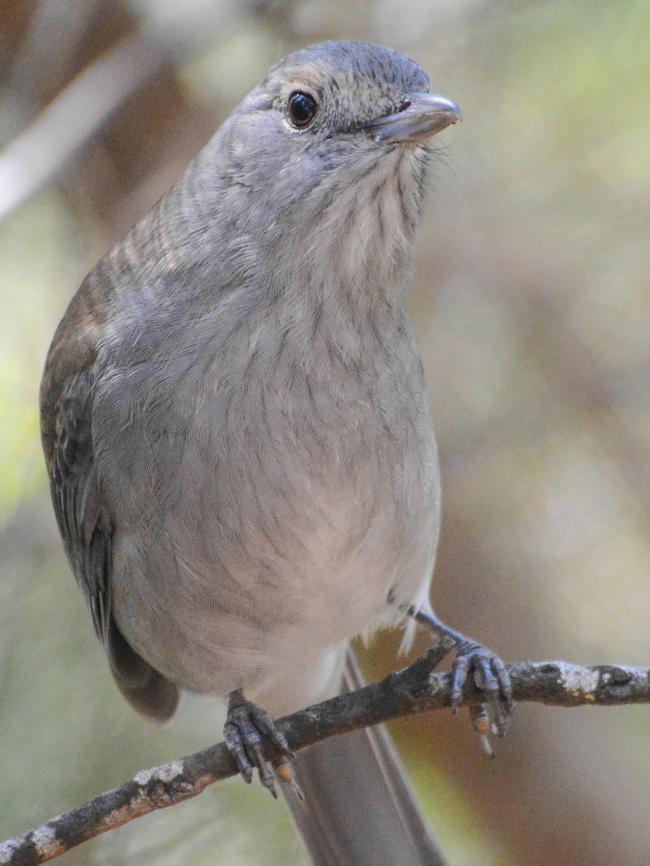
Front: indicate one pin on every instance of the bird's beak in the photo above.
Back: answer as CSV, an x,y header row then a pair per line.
x,y
423,115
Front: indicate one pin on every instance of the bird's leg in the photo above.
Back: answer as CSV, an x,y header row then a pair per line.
x,y
246,728
489,674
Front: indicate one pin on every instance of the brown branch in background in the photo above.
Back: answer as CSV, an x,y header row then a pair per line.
x,y
86,103
407,692
78,111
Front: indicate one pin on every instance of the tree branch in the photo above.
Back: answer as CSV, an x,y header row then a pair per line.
x,y
406,692
38,153
74,116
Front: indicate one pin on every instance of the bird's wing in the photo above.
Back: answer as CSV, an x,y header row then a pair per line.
x,y
84,518
66,428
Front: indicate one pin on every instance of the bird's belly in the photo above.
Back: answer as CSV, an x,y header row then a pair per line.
x,y
281,529
274,572
355,570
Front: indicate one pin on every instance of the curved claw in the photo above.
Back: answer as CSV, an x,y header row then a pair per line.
x,y
492,678
480,719
488,671
246,728
266,725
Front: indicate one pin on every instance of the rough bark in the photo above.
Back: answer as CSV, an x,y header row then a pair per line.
x,y
413,690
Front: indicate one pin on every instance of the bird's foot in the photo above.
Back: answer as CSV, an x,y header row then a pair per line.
x,y
488,673
247,729
492,679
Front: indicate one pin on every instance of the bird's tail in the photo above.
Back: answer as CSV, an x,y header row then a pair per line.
x,y
359,808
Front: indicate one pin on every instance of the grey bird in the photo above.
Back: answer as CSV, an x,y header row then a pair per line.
x,y
241,455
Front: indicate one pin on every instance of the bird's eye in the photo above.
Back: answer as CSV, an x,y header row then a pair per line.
x,y
302,109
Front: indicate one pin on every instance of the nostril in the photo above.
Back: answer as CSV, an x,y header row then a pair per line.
x,y
404,104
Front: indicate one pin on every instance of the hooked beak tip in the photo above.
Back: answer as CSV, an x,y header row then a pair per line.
x,y
422,116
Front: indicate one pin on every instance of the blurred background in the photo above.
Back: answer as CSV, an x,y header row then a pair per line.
x,y
532,303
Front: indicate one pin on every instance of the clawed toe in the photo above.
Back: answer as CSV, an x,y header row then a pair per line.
x,y
247,727
491,677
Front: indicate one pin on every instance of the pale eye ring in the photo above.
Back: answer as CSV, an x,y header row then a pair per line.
x,y
301,109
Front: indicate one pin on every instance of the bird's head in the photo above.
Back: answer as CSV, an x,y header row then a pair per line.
x,y
353,94
330,150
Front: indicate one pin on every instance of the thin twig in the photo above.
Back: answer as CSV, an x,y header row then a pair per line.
x,y
407,692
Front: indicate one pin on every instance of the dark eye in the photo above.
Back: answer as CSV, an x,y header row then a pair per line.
x,y
302,109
